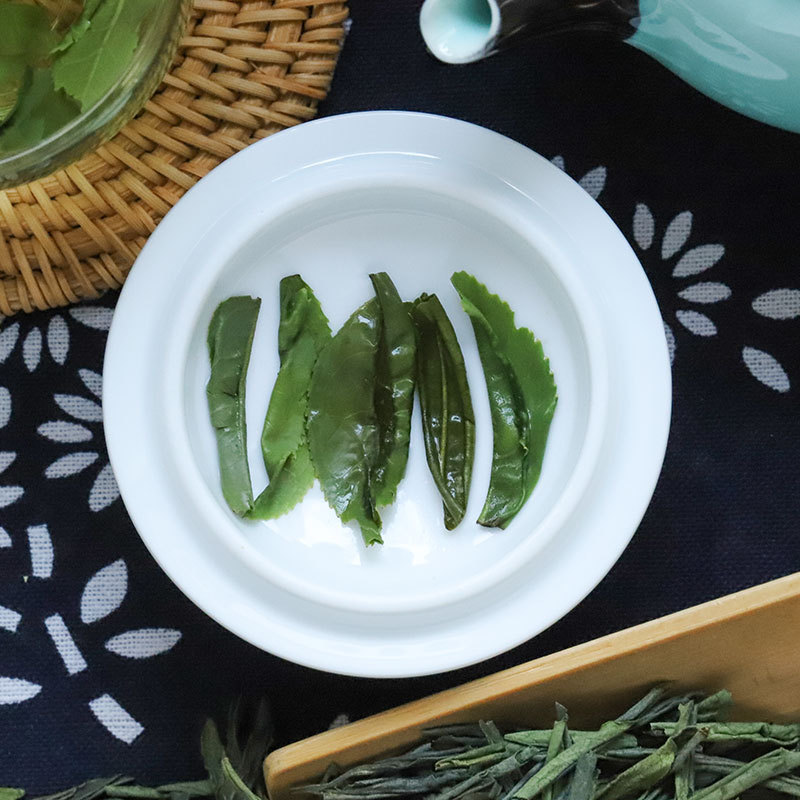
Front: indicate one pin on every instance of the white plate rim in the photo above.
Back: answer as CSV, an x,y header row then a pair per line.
x,y
139,285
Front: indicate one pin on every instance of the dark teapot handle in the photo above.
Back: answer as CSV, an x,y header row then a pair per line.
x,y
461,31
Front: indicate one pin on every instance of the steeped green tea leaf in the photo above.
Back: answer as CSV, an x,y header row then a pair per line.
x,y
78,28
96,60
448,420
342,425
230,339
25,32
394,388
522,399
40,111
302,334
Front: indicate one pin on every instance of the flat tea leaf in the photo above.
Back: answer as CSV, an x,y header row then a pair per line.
x,y
188,788
99,57
643,775
7,793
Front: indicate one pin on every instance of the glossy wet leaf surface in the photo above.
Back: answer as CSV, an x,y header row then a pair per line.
x,y
522,399
394,388
342,424
448,420
230,339
303,332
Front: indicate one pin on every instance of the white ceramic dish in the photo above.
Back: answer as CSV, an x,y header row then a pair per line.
x,y
420,197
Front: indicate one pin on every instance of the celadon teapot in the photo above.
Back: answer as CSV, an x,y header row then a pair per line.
x,y
743,53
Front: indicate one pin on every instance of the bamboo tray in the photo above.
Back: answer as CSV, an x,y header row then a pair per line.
x,y
710,646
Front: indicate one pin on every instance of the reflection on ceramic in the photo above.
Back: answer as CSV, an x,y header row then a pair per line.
x,y
744,54
420,197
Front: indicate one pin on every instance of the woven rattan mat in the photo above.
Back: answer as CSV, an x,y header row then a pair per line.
x,y
244,70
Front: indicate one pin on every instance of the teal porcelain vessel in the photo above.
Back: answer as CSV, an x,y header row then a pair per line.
x,y
743,53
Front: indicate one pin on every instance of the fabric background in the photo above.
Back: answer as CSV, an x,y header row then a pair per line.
x,y
105,667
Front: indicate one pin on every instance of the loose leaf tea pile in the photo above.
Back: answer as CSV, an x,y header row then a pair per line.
x,y
341,405
56,65
234,766
663,748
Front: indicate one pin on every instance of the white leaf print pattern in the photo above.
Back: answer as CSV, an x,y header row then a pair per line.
x,y
144,642
58,339
594,181
104,489
692,262
644,226
40,545
778,304
766,369
73,659
8,340
93,381
115,719
96,317
676,235
64,432
5,406
9,619
5,539
32,349
6,460
708,292
10,494
104,592
79,407
695,322
698,260
70,464
16,690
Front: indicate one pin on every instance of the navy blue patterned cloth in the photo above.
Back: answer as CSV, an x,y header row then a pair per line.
x,y
105,667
